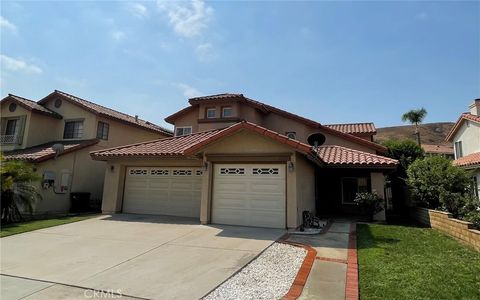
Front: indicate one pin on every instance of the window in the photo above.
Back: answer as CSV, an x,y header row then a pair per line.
x,y
73,130
351,186
458,150
227,112
179,131
291,135
211,113
11,128
102,130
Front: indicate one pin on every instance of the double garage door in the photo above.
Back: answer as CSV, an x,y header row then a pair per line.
x,y
243,194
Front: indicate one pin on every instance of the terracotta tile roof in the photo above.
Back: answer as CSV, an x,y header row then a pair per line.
x,y
31,105
267,109
172,146
190,145
471,160
354,128
45,152
108,112
458,124
339,156
438,149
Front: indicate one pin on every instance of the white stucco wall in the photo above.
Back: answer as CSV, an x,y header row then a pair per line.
x,y
469,135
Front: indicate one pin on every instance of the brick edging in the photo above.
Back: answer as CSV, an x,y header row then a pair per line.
x,y
351,285
301,279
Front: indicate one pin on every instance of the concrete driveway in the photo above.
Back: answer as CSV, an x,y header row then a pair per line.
x,y
153,257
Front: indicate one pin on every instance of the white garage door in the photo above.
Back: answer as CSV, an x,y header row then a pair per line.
x,y
163,191
249,195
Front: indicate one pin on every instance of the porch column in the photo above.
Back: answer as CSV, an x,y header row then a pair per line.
x,y
113,188
206,192
378,185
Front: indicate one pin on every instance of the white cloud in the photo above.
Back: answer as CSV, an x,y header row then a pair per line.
x,y
205,52
138,10
187,19
7,25
188,91
15,65
118,35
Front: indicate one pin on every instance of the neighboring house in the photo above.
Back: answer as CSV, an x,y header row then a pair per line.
x,y
465,136
56,135
444,150
234,160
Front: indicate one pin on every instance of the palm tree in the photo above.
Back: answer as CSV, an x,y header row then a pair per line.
x,y
415,117
17,179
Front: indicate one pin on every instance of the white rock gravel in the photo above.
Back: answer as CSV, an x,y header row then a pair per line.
x,y
269,276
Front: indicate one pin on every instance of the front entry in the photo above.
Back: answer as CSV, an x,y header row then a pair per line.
x,y
249,195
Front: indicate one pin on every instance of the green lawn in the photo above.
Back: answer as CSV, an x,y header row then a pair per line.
x,y
408,262
39,224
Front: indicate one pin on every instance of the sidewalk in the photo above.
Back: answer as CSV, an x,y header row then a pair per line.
x,y
334,261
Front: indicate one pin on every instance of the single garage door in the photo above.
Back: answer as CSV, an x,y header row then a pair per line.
x,y
163,191
249,195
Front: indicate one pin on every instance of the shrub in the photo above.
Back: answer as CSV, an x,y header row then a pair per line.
x,y
371,203
406,151
435,183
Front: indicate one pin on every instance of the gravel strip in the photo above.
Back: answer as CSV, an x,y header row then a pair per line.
x,y
270,276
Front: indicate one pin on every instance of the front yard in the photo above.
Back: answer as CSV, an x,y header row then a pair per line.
x,y
22,227
408,262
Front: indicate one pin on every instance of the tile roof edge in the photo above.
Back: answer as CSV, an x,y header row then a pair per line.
x,y
68,96
19,99
360,151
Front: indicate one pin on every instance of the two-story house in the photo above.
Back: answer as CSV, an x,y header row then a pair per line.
x,y
234,160
465,136
56,135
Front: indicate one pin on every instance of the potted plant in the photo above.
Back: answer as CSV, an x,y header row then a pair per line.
x,y
370,203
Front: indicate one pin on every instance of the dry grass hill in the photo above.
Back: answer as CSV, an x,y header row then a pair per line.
x,y
430,133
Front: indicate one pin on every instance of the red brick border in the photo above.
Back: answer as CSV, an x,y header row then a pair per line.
x,y
351,286
301,279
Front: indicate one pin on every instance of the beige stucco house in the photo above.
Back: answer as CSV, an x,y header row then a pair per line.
x,y
56,135
465,136
234,160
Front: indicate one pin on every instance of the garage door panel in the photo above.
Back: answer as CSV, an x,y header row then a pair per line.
x,y
166,191
249,195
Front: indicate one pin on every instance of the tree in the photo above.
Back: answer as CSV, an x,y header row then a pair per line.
x,y
406,152
17,179
436,183
415,117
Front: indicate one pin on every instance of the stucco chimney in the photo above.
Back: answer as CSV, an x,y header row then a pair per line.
x,y
475,107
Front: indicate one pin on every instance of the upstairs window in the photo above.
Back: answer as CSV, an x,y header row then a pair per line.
x,y
210,113
458,150
179,131
73,130
227,112
102,130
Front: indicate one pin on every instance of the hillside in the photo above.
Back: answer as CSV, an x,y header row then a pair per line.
x,y
430,133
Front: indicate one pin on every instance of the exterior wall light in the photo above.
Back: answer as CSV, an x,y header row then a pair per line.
x,y
290,166
112,168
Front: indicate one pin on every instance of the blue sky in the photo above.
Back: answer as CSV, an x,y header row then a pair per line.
x,y
333,62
